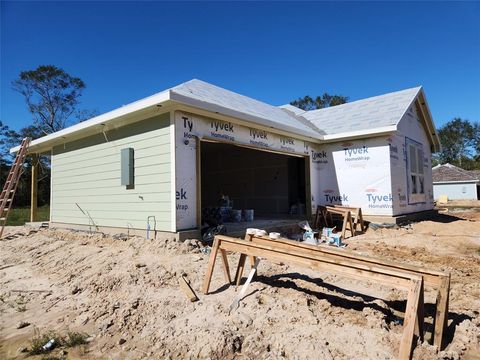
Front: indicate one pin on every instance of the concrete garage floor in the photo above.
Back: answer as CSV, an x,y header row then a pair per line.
x,y
281,224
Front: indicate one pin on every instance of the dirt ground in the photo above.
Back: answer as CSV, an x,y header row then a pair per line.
x,y
124,294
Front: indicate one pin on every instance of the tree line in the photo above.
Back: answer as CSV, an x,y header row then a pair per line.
x,y
52,97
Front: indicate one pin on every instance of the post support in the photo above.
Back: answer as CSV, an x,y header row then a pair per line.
x,y
34,188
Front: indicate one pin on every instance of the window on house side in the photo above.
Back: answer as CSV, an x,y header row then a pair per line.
x,y
415,172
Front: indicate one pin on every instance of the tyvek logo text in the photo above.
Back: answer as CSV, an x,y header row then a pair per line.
x,y
336,198
188,125
181,195
217,125
380,200
319,157
222,126
257,137
356,154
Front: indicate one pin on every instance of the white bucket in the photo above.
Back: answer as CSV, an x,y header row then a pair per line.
x,y
274,235
248,215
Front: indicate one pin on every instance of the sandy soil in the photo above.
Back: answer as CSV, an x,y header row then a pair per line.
x,y
125,295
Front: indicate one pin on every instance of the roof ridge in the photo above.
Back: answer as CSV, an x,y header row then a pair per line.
x,y
364,99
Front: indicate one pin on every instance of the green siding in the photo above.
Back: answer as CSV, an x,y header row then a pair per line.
x,y
87,172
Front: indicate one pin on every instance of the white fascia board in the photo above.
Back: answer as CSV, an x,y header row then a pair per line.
x,y
182,99
360,133
432,131
100,120
455,182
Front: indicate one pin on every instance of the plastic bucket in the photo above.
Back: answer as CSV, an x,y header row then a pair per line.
x,y
248,215
236,215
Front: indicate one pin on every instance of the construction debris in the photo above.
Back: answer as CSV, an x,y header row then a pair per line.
x,y
187,289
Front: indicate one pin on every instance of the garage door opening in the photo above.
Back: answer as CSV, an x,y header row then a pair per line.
x,y
273,185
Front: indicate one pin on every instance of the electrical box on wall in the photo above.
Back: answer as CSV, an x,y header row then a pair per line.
x,y
127,167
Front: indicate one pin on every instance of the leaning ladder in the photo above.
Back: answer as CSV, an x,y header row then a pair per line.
x,y
6,197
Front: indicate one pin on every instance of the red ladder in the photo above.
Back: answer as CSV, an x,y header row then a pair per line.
x,y
6,197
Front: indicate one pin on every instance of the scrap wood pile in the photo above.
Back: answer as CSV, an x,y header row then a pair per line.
x,y
411,279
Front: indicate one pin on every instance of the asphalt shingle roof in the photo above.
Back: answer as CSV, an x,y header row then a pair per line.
x,y
375,112
214,95
448,172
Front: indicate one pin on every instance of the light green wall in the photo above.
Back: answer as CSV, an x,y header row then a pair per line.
x,y
87,172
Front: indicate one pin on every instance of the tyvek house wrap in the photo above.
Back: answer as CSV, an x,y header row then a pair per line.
x,y
354,173
189,127
410,131
369,173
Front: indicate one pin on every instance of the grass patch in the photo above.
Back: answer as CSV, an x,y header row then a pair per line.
x,y
20,304
19,216
21,308
36,344
72,339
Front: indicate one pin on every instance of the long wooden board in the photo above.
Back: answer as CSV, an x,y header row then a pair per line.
x,y
402,280
440,281
350,264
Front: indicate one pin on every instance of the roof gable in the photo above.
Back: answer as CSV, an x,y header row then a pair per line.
x,y
375,112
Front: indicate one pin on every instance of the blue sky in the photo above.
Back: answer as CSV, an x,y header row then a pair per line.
x,y
274,52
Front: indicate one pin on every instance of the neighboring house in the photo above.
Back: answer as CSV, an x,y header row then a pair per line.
x,y
455,183
173,154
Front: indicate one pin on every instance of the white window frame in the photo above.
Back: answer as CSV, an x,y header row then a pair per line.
x,y
415,171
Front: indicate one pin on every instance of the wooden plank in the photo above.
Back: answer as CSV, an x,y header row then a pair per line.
x,y
355,270
419,320
226,268
313,251
240,268
333,263
406,343
210,266
431,277
199,181
34,188
308,187
441,316
187,289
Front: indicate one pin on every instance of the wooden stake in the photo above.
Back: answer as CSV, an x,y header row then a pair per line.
x,y
240,268
441,316
226,269
210,266
187,289
411,315
419,321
